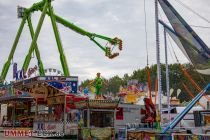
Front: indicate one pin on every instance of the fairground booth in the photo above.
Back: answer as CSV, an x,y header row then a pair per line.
x,y
97,118
53,96
51,105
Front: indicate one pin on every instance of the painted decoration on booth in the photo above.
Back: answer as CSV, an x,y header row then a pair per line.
x,y
19,75
31,71
6,91
21,93
58,112
39,92
67,86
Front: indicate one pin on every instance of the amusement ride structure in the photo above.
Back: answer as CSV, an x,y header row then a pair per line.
x,y
192,47
46,8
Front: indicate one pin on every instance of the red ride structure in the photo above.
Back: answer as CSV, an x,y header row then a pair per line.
x,y
149,111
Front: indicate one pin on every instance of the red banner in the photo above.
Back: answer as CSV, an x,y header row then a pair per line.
x,y
69,102
70,99
119,114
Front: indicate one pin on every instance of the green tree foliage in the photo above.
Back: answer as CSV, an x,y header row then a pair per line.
x,y
114,84
176,76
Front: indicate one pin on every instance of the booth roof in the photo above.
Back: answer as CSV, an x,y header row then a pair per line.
x,y
97,104
15,98
42,79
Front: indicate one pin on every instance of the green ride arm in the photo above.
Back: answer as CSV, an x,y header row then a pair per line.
x,y
39,6
113,41
35,7
92,36
32,47
40,64
72,26
80,30
59,44
7,64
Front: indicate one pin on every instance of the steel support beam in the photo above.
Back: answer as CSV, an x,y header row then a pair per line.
x,y
7,64
40,64
33,43
58,41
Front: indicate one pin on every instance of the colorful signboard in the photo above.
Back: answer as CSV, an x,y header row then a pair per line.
x,y
48,128
19,75
39,92
67,86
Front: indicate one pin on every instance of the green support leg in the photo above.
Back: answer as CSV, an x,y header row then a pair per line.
x,y
40,64
28,57
58,40
7,64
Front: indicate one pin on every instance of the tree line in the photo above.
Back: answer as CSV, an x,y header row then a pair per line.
x,y
176,76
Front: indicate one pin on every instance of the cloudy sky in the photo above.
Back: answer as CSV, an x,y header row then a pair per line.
x,y
121,18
